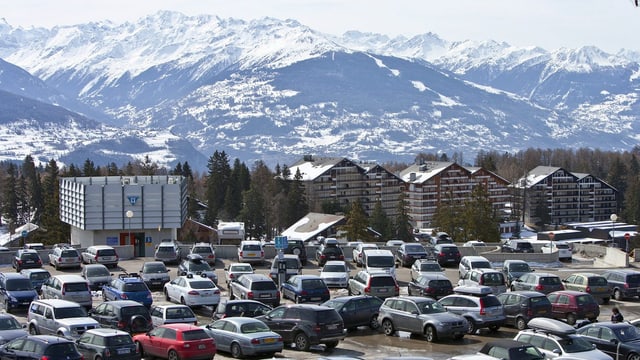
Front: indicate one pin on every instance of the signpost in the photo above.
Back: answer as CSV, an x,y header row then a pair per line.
x,y
24,237
551,236
281,243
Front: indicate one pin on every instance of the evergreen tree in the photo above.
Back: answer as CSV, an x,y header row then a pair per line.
x,y
10,196
148,167
57,231
89,169
297,206
631,212
481,220
33,185
217,183
380,222
233,195
403,221
448,216
253,214
357,222
617,177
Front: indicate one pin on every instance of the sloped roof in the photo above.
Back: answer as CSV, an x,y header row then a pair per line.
x,y
311,225
310,170
424,172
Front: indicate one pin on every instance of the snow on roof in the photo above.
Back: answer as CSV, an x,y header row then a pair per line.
x,y
423,172
6,237
311,225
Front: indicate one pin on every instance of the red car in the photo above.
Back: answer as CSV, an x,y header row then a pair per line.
x,y
175,342
571,305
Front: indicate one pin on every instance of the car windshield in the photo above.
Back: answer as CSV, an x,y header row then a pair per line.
x,y
40,275
98,271
627,333
254,327
414,248
519,267
195,335
380,261
202,284
19,285
241,268
199,265
481,265
154,268
9,323
180,313
135,287
313,284
429,307
334,268
574,344
118,340
70,312
430,267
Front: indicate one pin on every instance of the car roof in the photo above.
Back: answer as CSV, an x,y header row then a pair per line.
x,y
543,274
100,247
416,299
59,303
475,257
181,326
335,262
95,265
145,263
35,270
49,339
164,306
106,332
506,343
124,303
314,307
433,276
70,278
9,275
306,276
515,261
570,292
526,293
256,277
239,320
622,271
586,274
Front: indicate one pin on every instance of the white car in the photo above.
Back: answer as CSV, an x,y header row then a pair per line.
x,y
172,314
235,270
335,273
359,250
563,249
192,290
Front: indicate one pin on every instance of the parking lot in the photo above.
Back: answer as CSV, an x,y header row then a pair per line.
x,y
365,343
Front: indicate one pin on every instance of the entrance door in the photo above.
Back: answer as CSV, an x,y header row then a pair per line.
x,y
138,248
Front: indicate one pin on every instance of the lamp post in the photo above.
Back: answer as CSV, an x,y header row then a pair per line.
x,y
613,218
129,214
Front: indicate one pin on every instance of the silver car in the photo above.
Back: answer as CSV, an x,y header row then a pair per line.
x,y
382,285
65,257
155,274
477,305
172,314
96,275
420,315
243,336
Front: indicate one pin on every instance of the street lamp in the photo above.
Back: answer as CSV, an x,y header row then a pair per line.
x,y
129,214
613,218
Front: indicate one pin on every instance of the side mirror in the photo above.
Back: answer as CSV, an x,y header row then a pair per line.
x,y
613,341
558,352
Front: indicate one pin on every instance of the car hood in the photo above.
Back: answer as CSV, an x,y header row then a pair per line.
x,y
325,274
594,354
94,279
78,321
8,335
443,317
23,294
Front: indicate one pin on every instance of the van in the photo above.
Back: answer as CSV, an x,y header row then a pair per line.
x,y
377,260
100,254
68,287
250,251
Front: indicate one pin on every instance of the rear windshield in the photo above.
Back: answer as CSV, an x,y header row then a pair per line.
x,y
633,279
585,299
524,245
166,249
449,249
481,265
252,248
119,340
135,287
98,271
202,285
334,268
551,280
332,250
493,279
598,281
313,284
19,285
490,301
74,287
519,267
326,316
382,281
62,350
291,263
414,248
539,301
254,327
429,267
70,253
9,323
380,261
39,275
239,268
440,283
179,313
107,252
199,265
202,250
194,335
263,285
30,256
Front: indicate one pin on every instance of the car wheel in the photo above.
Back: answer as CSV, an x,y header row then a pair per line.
x,y
605,300
387,327
139,349
296,251
349,291
182,301
98,357
472,327
373,322
302,341
33,330
331,344
520,323
633,356
104,296
55,266
409,291
138,324
166,296
7,307
494,328
297,299
617,295
173,355
236,351
571,319
458,336
430,334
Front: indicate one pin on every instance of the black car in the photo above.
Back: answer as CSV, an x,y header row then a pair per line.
x,y
244,308
517,246
37,347
107,344
618,340
522,306
26,259
296,247
433,285
407,254
306,325
447,254
329,252
624,283
357,310
127,315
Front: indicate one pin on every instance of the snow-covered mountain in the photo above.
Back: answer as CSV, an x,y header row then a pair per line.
x,y
274,90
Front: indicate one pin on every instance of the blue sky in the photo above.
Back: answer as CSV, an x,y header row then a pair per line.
x,y
608,24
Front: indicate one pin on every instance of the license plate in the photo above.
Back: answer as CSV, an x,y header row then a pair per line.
x,y
251,254
332,327
202,346
269,340
29,261
542,312
156,282
124,351
315,299
383,290
265,295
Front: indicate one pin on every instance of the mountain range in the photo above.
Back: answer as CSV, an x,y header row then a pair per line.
x,y
177,88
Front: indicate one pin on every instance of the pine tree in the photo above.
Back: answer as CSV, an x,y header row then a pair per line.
x,y
217,183
403,221
10,195
357,222
380,222
57,232
481,222
33,185
297,206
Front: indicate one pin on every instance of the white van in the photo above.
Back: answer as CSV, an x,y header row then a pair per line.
x,y
377,260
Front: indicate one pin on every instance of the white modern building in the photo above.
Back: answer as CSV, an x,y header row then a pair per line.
x,y
123,210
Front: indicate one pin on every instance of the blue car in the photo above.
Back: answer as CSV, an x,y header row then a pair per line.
x,y
305,288
128,287
37,277
16,291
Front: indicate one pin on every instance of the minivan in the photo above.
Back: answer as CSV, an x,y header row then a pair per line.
x,y
376,260
68,287
250,251
100,254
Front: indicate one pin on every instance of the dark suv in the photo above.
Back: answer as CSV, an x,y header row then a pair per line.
x,y
305,325
522,306
624,283
357,310
26,259
34,347
329,252
517,246
126,315
296,247
107,344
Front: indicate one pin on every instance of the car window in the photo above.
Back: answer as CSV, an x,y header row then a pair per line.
x,y
519,267
575,344
70,312
253,327
597,281
251,247
382,281
61,350
490,301
135,287
313,284
73,287
107,252
179,313
493,279
199,334
202,284
118,340
584,300
550,280
98,271
263,285
129,311
151,268
18,285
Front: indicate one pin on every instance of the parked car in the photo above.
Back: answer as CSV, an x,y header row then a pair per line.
x,y
618,340
474,243
425,266
192,291
328,252
176,341
513,269
379,261
206,251
96,275
68,287
243,336
172,314
242,308
58,317
107,344
624,283
154,274
407,254
127,287
420,315
305,288
571,305
26,259
168,251
357,310
292,264
40,347
433,285
517,246
255,287
10,328
478,305
394,243
250,251
305,325
522,306
485,277
194,264
65,257
504,349
441,237
376,284
235,270
545,283
335,273
16,291
471,262
297,247
556,339
447,254
100,254
358,252
563,249
591,283
37,277
125,315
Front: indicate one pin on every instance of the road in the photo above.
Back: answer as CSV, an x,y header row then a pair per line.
x,y
365,343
